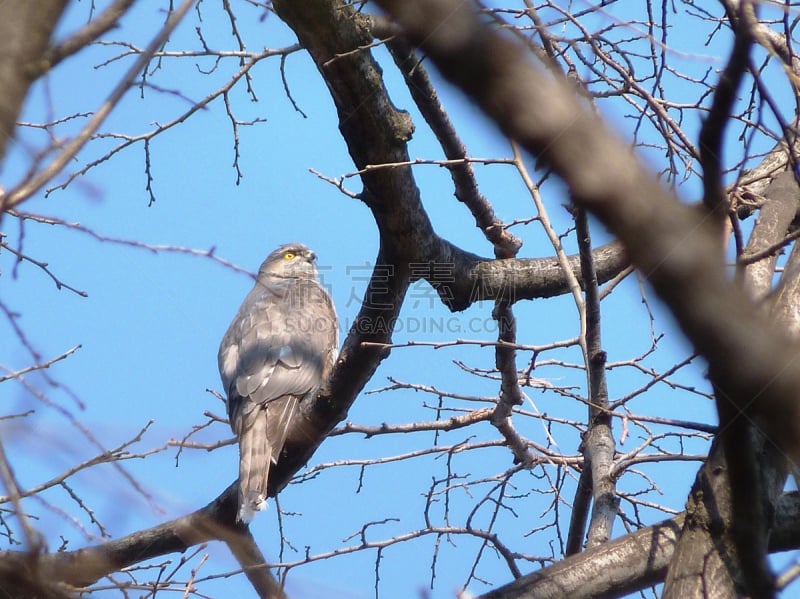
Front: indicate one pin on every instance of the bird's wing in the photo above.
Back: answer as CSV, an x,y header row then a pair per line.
x,y
278,349
279,342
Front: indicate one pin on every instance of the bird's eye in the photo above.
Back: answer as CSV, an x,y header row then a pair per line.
x,y
288,255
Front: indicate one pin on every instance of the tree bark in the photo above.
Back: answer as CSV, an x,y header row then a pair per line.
x,y
705,562
376,132
709,561
25,30
631,563
671,243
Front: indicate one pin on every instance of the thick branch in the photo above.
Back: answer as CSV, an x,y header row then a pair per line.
x,y
753,183
700,561
25,29
706,549
336,38
780,206
739,545
785,305
510,392
622,566
669,242
84,36
630,563
468,278
215,521
375,133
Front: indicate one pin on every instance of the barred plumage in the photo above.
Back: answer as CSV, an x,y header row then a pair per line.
x,y
278,350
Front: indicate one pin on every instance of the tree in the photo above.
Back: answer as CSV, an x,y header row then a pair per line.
x,y
544,75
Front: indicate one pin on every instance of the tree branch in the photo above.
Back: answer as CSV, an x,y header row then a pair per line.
x,y
598,442
705,551
466,187
25,31
27,188
377,133
714,125
510,395
669,242
781,205
215,521
106,21
616,568
630,563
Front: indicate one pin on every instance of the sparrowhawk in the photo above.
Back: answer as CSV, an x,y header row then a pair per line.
x,y
276,353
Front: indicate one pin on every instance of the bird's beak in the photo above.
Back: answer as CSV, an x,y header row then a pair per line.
x,y
311,256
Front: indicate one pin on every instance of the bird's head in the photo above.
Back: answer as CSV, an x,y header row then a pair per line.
x,y
290,261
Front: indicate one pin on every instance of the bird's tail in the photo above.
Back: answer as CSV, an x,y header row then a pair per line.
x,y
255,458
261,438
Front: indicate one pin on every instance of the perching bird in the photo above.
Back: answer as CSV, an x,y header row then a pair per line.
x,y
277,352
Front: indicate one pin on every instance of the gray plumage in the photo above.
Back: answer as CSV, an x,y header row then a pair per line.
x,y
277,352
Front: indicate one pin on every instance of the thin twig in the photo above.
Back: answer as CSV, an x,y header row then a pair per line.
x,y
18,373
27,188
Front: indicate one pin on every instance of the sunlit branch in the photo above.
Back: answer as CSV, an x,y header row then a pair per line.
x,y
47,364
87,34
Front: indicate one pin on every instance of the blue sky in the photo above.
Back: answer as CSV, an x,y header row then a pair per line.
x,y
150,326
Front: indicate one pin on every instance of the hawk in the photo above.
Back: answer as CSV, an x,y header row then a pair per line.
x,y
277,352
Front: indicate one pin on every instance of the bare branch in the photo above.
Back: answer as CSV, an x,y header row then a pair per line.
x,y
598,442
667,241
627,564
43,365
44,266
209,253
711,134
24,34
466,188
510,392
87,34
26,189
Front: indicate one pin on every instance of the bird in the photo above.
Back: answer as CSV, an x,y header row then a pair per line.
x,y
277,352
